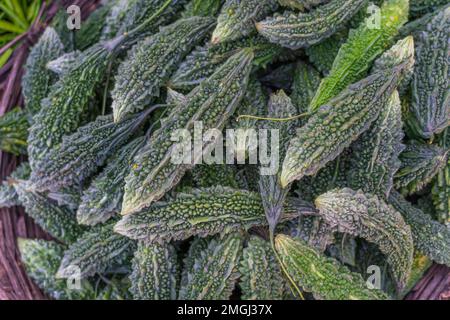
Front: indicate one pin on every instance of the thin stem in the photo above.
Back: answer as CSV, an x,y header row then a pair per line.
x,y
273,119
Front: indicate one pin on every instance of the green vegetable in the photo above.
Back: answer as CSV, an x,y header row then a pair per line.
x,y
301,4
420,163
213,102
214,272
151,62
59,222
155,269
103,198
91,29
369,217
82,152
362,47
8,194
375,154
203,8
200,212
37,79
237,18
335,126
306,82
430,107
94,252
297,30
323,276
429,236
441,185
261,277
14,131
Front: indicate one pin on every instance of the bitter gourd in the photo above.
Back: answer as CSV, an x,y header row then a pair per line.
x,y
375,154
205,176
155,272
91,29
296,30
203,8
369,217
214,273
14,131
41,260
441,185
335,126
420,163
103,198
301,4
37,79
362,47
272,194
430,106
203,61
95,251
323,276
8,194
430,237
200,212
115,18
84,151
261,277
419,7
213,102
237,18
151,62
59,222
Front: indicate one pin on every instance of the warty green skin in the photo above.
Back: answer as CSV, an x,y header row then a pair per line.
x,y
430,106
212,102
441,185
8,194
41,259
323,54
237,18
296,30
14,131
37,79
419,165
94,252
103,199
430,237
306,82
273,195
335,126
59,222
214,272
261,276
326,278
205,176
200,212
311,229
420,23
203,61
419,7
84,151
59,115
203,8
196,246
155,272
362,47
374,160
301,4
67,196
151,62
369,217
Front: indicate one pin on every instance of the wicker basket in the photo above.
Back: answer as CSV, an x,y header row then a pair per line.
x,y
14,283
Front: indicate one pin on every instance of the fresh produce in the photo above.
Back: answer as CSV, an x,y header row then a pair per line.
x,y
231,149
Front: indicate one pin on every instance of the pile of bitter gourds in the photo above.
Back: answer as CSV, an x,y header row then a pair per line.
x,y
358,92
